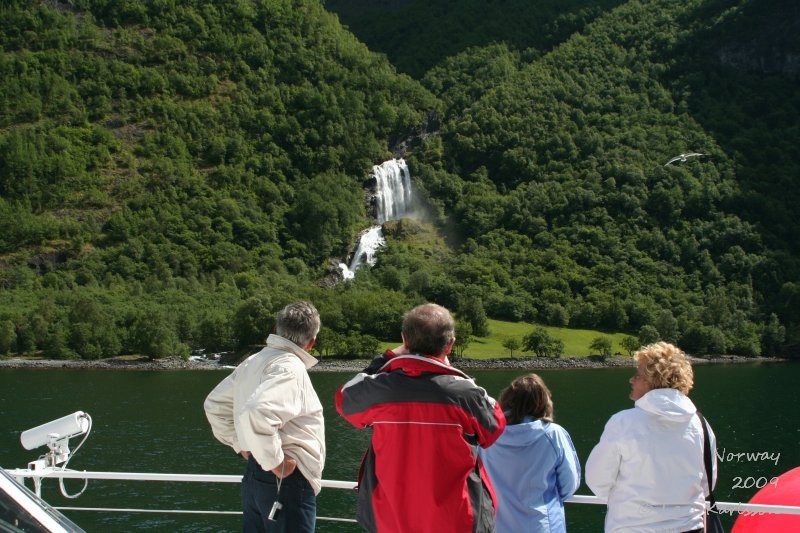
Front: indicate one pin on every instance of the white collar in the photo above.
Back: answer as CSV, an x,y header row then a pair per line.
x,y
276,341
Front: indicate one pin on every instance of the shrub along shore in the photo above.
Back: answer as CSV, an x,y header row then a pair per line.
x,y
331,364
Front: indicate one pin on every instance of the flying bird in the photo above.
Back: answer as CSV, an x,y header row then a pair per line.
x,y
683,157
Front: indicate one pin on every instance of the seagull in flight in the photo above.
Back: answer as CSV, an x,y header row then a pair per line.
x,y
683,157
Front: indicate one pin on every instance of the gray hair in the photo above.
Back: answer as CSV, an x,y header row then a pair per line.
x,y
298,322
428,329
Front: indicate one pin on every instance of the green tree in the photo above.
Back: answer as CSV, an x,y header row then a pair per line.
x,y
473,312
93,333
56,343
215,332
630,344
667,326
26,342
511,344
326,215
463,337
613,315
743,337
252,321
696,339
8,336
772,336
648,335
542,344
330,342
557,315
601,345
153,335
368,345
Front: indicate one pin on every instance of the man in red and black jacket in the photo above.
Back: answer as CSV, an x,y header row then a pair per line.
x,y
421,471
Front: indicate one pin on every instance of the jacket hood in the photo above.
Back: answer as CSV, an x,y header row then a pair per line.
x,y
670,404
523,434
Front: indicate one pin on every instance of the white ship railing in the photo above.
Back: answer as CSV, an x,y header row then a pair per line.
x,y
56,473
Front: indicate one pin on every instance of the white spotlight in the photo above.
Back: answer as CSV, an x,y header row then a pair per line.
x,y
56,434
65,427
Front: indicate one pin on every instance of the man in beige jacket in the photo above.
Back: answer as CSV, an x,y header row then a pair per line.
x,y
267,411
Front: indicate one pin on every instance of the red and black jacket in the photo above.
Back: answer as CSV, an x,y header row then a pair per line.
x,y
421,471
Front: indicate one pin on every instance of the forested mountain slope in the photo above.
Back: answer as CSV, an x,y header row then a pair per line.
x,y
172,172
552,166
417,35
162,162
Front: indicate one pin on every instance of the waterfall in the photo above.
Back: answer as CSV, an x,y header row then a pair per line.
x,y
370,241
393,190
393,202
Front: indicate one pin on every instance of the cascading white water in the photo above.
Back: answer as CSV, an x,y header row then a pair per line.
x,y
393,197
393,190
370,241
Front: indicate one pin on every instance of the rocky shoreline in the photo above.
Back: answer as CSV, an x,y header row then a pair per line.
x,y
356,365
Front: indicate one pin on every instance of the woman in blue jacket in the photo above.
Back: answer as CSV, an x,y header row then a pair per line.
x,y
533,466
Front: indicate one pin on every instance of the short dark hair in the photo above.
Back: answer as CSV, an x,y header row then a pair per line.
x,y
428,329
527,396
298,322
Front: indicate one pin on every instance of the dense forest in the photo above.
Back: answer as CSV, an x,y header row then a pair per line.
x,y
173,172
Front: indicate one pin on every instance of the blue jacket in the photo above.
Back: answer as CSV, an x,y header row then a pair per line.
x,y
533,467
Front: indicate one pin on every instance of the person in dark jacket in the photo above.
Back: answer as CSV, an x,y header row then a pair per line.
x,y
421,471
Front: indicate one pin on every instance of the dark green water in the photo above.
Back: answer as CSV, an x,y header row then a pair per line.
x,y
154,422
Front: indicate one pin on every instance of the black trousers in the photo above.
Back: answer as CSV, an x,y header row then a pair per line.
x,y
259,492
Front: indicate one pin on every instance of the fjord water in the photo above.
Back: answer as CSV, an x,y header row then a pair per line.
x,y
148,421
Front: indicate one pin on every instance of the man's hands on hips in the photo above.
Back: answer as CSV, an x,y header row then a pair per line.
x,y
286,468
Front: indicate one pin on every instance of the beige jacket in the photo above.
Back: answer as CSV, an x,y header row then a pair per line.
x,y
268,407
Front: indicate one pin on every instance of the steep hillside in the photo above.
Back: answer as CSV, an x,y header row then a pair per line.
x,y
157,157
419,34
553,169
171,173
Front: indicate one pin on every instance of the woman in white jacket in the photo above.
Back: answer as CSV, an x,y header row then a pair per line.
x,y
649,461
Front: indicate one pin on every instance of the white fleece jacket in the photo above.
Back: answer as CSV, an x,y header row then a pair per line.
x,y
268,406
649,465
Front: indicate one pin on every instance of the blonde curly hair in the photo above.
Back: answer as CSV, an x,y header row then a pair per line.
x,y
666,367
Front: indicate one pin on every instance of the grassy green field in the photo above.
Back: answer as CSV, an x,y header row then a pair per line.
x,y
576,341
